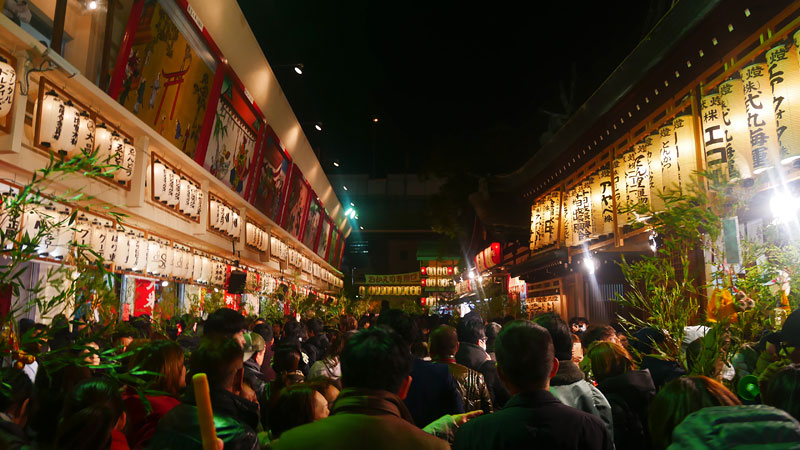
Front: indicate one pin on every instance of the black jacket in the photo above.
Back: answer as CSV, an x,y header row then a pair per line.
x,y
235,419
433,393
630,395
534,420
476,358
255,378
12,437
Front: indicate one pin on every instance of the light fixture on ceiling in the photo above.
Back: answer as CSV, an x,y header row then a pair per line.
x,y
336,163
91,5
374,120
344,187
352,204
361,228
298,68
318,126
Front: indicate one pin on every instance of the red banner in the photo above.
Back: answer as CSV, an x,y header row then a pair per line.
x,y
144,297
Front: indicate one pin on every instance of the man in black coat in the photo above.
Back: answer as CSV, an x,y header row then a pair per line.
x,y
533,417
472,353
434,392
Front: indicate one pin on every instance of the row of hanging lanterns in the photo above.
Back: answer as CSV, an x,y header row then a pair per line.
x,y
544,224
176,191
389,290
224,219
256,237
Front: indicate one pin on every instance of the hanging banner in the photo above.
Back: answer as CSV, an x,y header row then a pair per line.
x,y
411,278
620,193
231,151
271,181
315,216
297,204
166,76
324,237
784,76
760,117
737,135
714,135
144,297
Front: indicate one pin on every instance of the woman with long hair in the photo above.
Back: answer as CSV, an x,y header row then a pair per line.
x,y
328,366
164,360
93,418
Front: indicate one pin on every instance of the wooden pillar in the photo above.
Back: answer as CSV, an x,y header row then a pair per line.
x,y
59,17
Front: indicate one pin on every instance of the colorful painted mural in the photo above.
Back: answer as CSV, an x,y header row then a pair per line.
x,y
315,213
271,183
297,204
324,237
165,81
231,149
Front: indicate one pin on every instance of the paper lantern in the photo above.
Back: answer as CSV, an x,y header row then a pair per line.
x,y
236,224
121,256
159,184
99,236
637,181
85,135
70,128
535,222
737,134
103,143
83,231
620,186
197,267
206,270
52,120
668,159
153,249
140,253
63,233
167,259
129,161
601,203
112,244
185,192
784,76
213,214
760,117
8,81
173,186
684,130
176,270
198,202
188,265
714,135
566,222
176,191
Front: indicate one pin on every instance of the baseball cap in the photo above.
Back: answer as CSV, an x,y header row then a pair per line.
x,y
253,343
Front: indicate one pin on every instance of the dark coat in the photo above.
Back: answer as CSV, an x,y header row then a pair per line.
x,y
476,358
630,395
235,419
12,437
534,420
474,393
362,419
255,378
433,393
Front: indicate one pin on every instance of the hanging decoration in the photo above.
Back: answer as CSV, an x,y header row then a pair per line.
x,y
8,81
85,136
683,128
602,210
760,117
737,135
175,190
52,120
784,77
714,135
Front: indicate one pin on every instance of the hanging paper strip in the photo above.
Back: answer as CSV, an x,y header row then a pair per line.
x,y
760,117
618,172
714,135
784,76
737,135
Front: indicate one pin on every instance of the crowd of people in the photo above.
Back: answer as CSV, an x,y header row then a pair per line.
x,y
386,381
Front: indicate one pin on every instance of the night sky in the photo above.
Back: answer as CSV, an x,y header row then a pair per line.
x,y
457,87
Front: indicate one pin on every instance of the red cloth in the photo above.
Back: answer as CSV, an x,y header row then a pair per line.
x,y
118,441
144,297
140,425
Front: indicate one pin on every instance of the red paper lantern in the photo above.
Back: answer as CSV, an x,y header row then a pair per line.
x,y
424,270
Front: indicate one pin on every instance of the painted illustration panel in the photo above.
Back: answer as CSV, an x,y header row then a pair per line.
x,y
166,82
233,139
341,253
315,213
333,250
324,237
297,204
272,182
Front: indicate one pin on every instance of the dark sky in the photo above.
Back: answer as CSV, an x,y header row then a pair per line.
x,y
451,82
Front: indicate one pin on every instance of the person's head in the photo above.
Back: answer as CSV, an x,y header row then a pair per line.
x,y
608,360
348,323
578,324
164,358
525,357
492,330
315,326
286,363
15,398
790,335
294,330
91,353
783,390
679,398
255,348
221,359
338,342
364,322
472,331
377,358
599,333
124,335
443,341
92,410
559,332
51,386
227,323
297,405
402,324
277,330
266,332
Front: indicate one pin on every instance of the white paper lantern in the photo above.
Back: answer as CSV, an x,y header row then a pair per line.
x,y
63,232
159,180
684,129
185,191
714,135
172,187
98,240
121,256
128,163
621,196
197,267
784,76
167,259
761,117
213,214
83,231
566,219
105,142
176,191
52,120
206,270
85,135
140,263
8,81
236,225
198,203
112,244
737,134
68,139
153,256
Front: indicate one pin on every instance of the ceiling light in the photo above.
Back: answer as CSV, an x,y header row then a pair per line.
x,y
589,264
344,187
298,68
92,5
352,204
336,164
318,126
361,227
165,283
375,120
